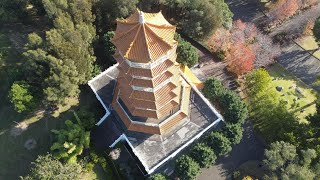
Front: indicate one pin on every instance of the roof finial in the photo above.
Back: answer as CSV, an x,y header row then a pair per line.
x,y
141,17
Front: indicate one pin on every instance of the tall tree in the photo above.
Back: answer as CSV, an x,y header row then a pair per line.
x,y
47,167
316,30
21,97
12,10
186,54
107,11
63,59
283,162
199,18
240,58
72,35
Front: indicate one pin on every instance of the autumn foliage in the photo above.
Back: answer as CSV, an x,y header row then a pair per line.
x,y
280,10
244,47
240,58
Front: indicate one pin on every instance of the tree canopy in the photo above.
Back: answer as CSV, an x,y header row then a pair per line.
x,y
21,97
186,167
63,59
199,18
186,54
316,30
283,162
70,142
219,143
47,167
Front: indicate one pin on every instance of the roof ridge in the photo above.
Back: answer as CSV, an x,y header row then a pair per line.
x,y
124,33
158,37
145,38
134,40
161,26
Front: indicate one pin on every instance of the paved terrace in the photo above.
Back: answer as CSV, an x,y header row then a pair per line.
x,y
153,151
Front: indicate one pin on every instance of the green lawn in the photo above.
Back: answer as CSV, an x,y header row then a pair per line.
x,y
14,158
304,100
309,43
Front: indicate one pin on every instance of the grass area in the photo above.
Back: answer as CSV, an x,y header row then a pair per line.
x,y
15,160
309,43
304,99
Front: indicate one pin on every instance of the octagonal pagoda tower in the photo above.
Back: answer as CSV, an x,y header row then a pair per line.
x,y
150,95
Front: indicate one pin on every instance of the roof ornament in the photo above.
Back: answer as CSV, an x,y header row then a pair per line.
x,y
141,17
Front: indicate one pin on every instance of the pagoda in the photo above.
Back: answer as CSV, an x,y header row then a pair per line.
x,y
150,95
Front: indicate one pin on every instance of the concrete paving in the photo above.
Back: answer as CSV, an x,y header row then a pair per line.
x,y
251,147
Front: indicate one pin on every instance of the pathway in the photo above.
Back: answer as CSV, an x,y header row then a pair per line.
x,y
299,62
250,148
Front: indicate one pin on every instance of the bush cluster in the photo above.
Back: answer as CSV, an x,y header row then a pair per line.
x,y
234,109
217,143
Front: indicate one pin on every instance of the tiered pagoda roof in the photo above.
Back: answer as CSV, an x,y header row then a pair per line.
x,y
144,37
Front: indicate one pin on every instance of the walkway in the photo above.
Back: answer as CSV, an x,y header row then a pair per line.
x,y
299,62
250,148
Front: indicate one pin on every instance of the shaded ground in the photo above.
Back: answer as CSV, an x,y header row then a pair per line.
x,y
302,64
250,148
295,24
246,10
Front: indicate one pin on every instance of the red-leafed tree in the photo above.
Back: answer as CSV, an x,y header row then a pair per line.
x,y
220,40
282,9
243,32
240,58
264,50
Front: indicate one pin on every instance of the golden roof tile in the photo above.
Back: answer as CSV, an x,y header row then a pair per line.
x,y
144,37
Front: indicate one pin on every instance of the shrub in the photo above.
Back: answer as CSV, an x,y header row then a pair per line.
x,y
87,118
219,143
316,30
47,167
213,89
70,142
158,176
186,53
187,168
233,132
21,97
235,110
203,155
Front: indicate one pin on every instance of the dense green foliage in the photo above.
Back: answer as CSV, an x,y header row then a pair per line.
x,y
64,59
257,82
107,11
234,109
283,162
233,132
266,106
203,155
158,176
12,10
186,54
219,143
70,142
21,97
47,167
213,89
108,46
196,18
316,30
186,168
199,18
